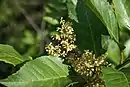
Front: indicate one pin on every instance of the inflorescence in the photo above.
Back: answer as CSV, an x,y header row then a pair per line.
x,y
63,45
64,40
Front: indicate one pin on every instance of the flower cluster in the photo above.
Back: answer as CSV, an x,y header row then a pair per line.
x,y
64,40
90,66
83,63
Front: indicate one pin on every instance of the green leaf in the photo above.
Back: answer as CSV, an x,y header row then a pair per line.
x,y
9,55
104,11
126,71
127,49
113,53
71,5
113,50
51,20
122,11
42,72
105,41
88,29
114,78
55,9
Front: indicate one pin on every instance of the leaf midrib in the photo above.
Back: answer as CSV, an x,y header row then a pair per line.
x,y
60,77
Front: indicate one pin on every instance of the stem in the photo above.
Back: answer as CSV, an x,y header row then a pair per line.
x,y
120,66
42,30
26,15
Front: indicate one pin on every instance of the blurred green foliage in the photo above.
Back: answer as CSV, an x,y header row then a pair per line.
x,y
25,24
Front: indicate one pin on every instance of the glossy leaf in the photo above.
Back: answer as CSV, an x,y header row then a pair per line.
x,y
9,55
88,29
127,49
71,5
114,78
126,71
112,49
122,11
104,11
105,41
42,72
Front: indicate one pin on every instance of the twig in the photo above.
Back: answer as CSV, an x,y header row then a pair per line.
x,y
43,25
42,36
26,15
39,30
120,66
